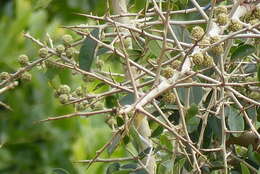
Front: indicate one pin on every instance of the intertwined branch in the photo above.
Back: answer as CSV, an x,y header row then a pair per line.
x,y
207,51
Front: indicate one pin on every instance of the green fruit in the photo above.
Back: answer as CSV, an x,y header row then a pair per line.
x,y
64,89
205,42
176,64
219,10
43,52
197,32
80,106
63,98
198,58
23,60
235,25
60,49
169,97
70,52
79,92
4,76
222,19
26,76
208,61
67,39
167,72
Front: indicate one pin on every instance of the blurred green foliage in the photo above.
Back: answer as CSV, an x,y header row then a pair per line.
x,y
32,148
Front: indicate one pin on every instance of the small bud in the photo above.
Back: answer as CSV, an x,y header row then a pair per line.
x,y
197,32
26,76
60,49
208,61
4,76
64,89
176,64
167,72
67,39
169,97
235,25
23,60
222,19
70,52
63,98
220,9
43,52
198,58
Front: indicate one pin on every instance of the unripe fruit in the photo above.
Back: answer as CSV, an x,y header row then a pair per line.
x,y
70,52
26,76
220,9
43,52
197,32
67,39
169,97
208,60
235,25
217,50
198,58
60,49
167,72
80,106
176,64
64,89
79,92
63,98
214,39
222,19
204,43
4,75
23,60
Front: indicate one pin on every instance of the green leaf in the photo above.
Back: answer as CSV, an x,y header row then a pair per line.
x,y
178,166
127,100
120,121
59,171
158,131
110,101
192,111
112,147
87,51
243,51
193,124
127,171
112,168
235,120
244,169
41,4
154,47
